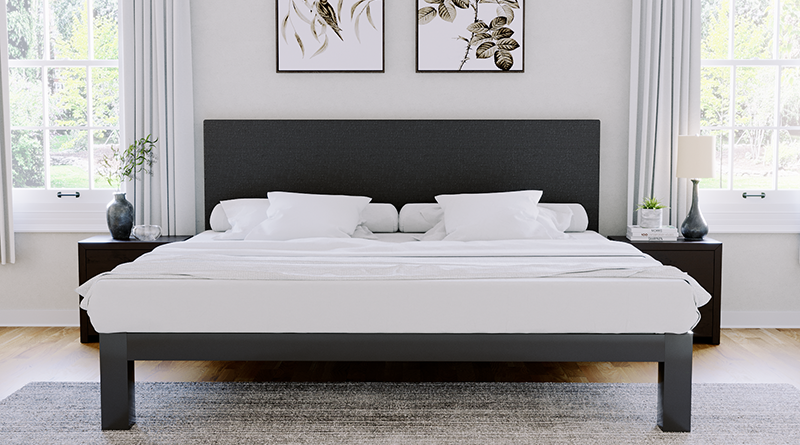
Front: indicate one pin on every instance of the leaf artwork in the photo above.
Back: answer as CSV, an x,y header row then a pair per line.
x,y
499,22
486,50
502,33
503,59
491,33
506,11
322,48
447,11
425,15
300,43
326,23
365,10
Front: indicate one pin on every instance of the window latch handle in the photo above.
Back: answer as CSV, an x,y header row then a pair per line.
x,y
761,195
76,194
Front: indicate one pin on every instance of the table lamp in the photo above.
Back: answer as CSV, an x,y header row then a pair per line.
x,y
695,160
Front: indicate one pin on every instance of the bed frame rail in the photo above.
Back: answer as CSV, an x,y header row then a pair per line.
x,y
673,352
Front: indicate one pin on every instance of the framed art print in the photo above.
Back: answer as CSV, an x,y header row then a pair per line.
x,y
470,35
330,35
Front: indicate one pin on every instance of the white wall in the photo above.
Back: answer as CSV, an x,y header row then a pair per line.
x,y
760,280
39,289
577,63
577,66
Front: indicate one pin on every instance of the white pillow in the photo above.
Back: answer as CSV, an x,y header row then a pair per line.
x,y
299,215
218,219
243,216
551,222
492,216
436,233
418,218
380,217
558,217
362,231
578,218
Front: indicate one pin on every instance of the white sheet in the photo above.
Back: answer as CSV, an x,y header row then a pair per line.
x,y
371,286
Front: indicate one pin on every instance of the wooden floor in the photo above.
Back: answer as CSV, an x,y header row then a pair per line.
x,y
744,356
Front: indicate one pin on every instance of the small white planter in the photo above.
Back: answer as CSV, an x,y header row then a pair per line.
x,y
650,218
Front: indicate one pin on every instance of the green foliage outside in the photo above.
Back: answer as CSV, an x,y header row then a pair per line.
x,y
65,88
25,31
68,176
753,150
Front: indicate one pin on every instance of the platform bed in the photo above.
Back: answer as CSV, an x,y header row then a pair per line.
x,y
400,162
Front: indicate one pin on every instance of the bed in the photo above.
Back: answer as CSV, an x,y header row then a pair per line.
x,y
377,318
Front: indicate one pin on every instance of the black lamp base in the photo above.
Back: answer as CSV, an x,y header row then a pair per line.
x,y
694,227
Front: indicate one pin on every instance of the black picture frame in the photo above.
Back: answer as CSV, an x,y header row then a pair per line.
x,y
471,36
330,36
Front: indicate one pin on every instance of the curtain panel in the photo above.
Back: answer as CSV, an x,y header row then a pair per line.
x,y
665,101
6,217
158,101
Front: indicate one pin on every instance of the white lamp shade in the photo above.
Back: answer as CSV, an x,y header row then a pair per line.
x,y
695,157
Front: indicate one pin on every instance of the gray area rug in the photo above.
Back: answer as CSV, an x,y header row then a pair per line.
x,y
400,413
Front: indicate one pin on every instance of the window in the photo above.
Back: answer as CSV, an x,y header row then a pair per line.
x,y
750,100
65,109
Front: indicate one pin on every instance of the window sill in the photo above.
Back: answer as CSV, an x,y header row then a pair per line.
x,y
759,228
751,222
728,212
765,221
42,211
87,221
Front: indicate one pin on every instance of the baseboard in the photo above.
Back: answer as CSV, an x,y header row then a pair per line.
x,y
39,318
759,319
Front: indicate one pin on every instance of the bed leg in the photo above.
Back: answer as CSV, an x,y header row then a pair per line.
x,y
675,384
117,407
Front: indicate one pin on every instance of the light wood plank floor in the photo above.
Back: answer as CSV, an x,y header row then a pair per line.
x,y
56,354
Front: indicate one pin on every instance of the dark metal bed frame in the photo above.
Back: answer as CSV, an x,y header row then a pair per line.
x,y
400,161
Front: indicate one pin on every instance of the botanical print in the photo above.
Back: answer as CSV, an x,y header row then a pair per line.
x,y
470,35
330,35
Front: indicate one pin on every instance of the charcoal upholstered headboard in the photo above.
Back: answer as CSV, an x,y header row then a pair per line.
x,y
402,161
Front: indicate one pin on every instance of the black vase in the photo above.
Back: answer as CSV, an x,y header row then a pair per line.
x,y
119,216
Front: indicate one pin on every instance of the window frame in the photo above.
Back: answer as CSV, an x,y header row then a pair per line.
x,y
731,210
41,209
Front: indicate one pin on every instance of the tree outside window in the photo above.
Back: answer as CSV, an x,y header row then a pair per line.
x,y
750,92
64,90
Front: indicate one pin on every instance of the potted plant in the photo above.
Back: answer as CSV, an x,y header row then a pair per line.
x,y
124,164
650,213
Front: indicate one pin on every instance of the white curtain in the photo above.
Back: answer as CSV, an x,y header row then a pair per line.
x,y
157,99
6,219
665,101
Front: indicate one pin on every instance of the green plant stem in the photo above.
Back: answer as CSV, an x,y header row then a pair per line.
x,y
469,42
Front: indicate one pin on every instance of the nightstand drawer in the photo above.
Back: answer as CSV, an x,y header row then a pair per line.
x,y
98,261
700,265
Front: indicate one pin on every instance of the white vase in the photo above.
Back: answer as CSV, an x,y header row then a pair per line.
x,y
650,218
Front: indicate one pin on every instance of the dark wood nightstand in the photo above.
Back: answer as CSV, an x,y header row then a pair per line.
x,y
102,253
703,261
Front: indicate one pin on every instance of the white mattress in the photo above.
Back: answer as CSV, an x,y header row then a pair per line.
x,y
449,304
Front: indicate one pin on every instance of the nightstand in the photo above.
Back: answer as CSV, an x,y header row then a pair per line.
x,y
102,253
703,261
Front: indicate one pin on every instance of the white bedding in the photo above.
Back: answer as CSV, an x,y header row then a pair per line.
x,y
582,284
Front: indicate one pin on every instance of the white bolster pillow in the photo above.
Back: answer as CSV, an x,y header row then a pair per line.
x,y
380,218
419,218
